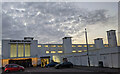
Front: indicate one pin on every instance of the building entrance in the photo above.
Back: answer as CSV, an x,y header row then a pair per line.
x,y
23,62
44,61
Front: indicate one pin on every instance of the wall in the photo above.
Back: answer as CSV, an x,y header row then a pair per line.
x,y
109,56
5,49
34,48
0,61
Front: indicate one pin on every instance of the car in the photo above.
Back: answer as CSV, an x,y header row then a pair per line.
x,y
13,67
52,64
64,65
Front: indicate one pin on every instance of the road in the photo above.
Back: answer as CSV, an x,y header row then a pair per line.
x,y
0,70
70,70
52,69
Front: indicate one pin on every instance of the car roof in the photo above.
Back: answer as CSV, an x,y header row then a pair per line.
x,y
11,64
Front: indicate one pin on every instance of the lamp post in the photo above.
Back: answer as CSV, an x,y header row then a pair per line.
x,y
2,60
87,48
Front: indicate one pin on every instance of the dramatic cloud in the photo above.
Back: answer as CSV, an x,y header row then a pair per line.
x,y
49,22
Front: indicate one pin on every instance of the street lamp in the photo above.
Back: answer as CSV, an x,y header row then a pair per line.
x,y
87,48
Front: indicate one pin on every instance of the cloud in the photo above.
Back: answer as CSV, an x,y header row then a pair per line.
x,y
49,22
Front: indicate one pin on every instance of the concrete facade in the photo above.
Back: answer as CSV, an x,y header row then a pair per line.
x,y
75,53
109,57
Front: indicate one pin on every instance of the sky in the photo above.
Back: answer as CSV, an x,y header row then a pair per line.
x,y
49,22
60,0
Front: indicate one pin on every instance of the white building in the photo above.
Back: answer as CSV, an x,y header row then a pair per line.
x,y
27,50
19,51
77,53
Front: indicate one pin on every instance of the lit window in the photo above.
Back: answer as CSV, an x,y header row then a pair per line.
x,y
20,50
85,45
53,45
91,45
60,51
39,46
79,45
73,46
106,45
46,46
27,50
53,51
85,50
73,51
80,51
59,45
47,51
13,50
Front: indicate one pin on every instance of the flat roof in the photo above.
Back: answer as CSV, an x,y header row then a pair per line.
x,y
67,37
98,39
111,30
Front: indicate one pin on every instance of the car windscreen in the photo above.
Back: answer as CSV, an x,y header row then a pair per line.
x,y
14,66
8,66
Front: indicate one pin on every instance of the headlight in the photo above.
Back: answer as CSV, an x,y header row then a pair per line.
x,y
57,64
22,66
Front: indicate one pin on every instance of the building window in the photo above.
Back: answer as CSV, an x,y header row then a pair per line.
x,y
59,45
53,45
73,51
20,50
85,50
80,51
45,45
109,33
27,50
53,51
79,45
91,45
105,45
73,46
39,45
85,45
60,51
13,50
47,51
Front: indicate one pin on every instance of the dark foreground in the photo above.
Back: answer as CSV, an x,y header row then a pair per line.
x,y
52,70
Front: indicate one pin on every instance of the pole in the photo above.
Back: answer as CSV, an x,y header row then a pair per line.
x,y
87,48
2,61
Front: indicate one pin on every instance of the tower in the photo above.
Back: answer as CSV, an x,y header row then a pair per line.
x,y
67,44
98,43
28,38
112,41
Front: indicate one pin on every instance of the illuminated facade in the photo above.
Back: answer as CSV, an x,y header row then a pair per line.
x,y
19,51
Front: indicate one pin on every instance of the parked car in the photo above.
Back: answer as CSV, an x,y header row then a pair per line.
x,y
13,67
52,64
64,65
